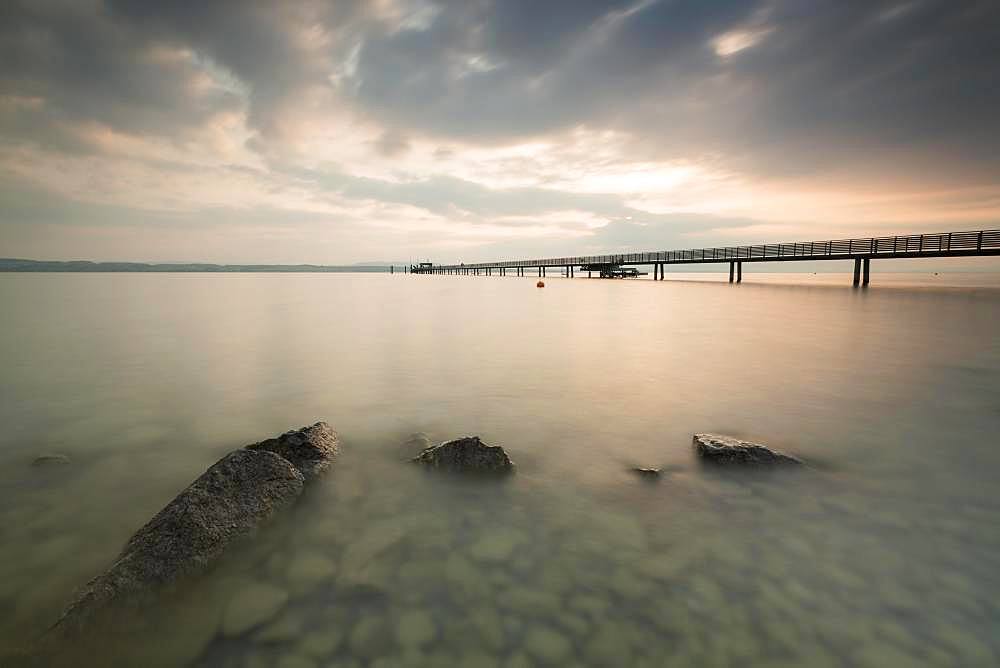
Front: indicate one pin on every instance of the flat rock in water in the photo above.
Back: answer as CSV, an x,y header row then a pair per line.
x,y
229,501
466,454
310,449
728,451
649,473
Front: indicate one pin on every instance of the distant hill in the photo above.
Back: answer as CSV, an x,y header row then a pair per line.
x,y
13,264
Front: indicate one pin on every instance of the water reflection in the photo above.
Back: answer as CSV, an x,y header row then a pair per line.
x,y
885,554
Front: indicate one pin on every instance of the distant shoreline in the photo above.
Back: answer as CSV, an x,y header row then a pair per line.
x,y
16,265
86,266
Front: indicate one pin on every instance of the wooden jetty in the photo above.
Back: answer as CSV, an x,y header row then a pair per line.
x,y
862,251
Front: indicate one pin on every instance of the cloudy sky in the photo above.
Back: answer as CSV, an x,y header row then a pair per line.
x,y
351,131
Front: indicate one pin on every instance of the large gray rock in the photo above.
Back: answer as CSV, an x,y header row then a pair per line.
x,y
229,501
728,451
310,449
466,454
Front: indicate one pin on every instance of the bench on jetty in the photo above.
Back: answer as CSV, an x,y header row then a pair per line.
x,y
977,243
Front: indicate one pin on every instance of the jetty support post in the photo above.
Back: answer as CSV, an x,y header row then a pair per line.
x,y
732,270
857,271
739,272
867,264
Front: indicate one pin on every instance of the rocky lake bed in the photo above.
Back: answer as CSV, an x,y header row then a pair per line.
x,y
384,563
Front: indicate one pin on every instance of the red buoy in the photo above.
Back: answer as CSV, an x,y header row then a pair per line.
x,y
540,284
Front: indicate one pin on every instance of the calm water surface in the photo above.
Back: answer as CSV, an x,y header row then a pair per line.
x,y
885,553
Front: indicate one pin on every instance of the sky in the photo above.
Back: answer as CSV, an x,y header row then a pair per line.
x,y
465,130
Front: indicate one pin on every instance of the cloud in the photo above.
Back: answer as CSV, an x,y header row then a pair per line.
x,y
391,143
452,123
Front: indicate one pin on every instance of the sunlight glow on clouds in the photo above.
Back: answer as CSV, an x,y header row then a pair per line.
x,y
389,129
735,41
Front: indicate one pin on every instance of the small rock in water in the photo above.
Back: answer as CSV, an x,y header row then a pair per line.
x,y
416,629
647,473
466,454
50,459
728,451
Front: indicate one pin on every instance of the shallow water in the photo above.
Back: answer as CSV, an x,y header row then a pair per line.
x,y
886,552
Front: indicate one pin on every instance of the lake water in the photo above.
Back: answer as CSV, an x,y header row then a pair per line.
x,y
886,552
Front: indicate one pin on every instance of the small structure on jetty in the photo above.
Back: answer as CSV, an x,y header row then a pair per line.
x,y
609,270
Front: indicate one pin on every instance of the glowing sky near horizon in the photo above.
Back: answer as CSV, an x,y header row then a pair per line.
x,y
390,130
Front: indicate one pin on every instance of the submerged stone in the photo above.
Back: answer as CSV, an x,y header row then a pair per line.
x,y
282,630
50,459
252,606
295,661
496,546
518,660
608,647
488,623
415,629
466,454
728,451
369,637
479,659
547,645
321,644
646,473
309,570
